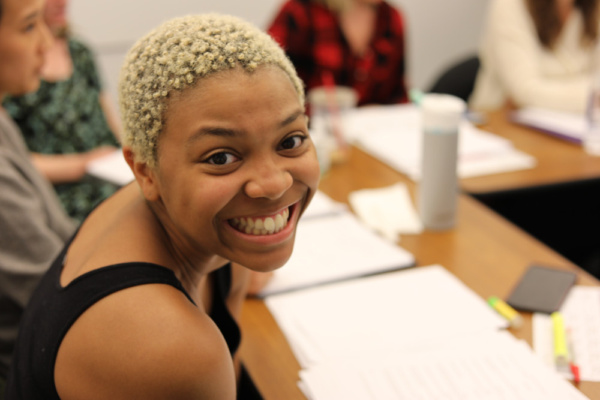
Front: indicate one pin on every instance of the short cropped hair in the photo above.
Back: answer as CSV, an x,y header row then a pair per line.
x,y
178,54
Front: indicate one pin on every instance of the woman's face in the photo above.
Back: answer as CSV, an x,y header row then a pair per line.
x,y
236,167
24,39
55,14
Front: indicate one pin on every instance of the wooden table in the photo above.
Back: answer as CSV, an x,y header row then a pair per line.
x,y
485,251
556,201
557,160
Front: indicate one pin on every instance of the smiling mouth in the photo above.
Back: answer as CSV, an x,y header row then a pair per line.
x,y
262,225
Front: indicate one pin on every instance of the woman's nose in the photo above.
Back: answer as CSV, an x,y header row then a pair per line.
x,y
269,181
45,38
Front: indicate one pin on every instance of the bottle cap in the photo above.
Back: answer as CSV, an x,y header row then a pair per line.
x,y
441,112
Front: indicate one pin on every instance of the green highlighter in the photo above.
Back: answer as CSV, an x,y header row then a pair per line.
x,y
513,317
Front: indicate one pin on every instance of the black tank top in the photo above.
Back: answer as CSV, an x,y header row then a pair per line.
x,y
53,309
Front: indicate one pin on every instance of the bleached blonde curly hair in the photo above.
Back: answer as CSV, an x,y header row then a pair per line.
x,y
175,56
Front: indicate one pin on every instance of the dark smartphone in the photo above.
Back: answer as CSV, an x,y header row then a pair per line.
x,y
541,289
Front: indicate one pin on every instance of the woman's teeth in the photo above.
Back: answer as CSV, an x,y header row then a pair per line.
x,y
262,225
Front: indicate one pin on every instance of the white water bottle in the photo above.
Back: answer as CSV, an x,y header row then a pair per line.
x,y
438,188
591,136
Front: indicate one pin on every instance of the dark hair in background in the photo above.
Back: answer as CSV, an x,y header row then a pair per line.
x,y
548,24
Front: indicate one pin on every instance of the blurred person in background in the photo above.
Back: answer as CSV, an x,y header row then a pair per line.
x,y
355,43
537,53
34,227
70,120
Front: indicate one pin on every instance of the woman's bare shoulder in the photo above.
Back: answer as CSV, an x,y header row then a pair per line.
x,y
146,342
120,230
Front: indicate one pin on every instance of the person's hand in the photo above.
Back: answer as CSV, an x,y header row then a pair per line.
x,y
71,167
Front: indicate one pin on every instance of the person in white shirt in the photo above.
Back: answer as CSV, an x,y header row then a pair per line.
x,y
537,53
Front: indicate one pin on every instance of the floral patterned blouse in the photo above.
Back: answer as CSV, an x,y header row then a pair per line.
x,y
66,117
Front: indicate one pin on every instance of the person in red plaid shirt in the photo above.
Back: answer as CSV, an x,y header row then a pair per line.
x,y
358,43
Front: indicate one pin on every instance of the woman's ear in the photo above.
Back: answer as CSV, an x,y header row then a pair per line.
x,y
144,175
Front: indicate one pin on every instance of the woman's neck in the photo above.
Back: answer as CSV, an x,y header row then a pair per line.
x,y
564,9
58,65
192,264
358,25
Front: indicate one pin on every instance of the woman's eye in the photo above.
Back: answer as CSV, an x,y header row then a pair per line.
x,y
292,142
29,27
221,159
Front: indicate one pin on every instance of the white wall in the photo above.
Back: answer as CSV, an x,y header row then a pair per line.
x,y
438,31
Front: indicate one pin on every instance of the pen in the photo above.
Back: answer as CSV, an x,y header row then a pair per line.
x,y
561,352
572,361
513,317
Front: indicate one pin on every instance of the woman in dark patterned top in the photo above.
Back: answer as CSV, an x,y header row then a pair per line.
x,y
360,43
69,120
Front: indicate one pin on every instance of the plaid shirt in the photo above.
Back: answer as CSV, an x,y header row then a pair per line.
x,y
312,38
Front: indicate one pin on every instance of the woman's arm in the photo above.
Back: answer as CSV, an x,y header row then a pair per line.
x,y
28,244
166,349
64,168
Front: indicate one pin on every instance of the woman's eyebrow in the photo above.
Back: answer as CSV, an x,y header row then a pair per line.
x,y
211,131
226,132
31,16
294,116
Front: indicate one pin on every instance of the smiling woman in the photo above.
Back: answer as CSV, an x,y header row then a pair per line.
x,y
150,287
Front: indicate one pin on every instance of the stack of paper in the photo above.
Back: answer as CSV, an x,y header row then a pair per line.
x,y
490,366
581,313
332,245
393,134
411,334
564,125
405,310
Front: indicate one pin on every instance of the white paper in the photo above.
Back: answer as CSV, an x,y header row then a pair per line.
x,y
388,210
568,125
112,168
543,338
321,205
581,314
335,247
493,366
409,309
393,134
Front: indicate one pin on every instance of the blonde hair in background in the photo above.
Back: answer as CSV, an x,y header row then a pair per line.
x,y
178,54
